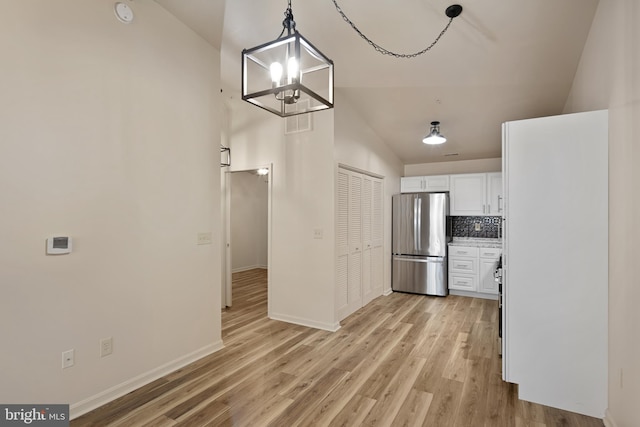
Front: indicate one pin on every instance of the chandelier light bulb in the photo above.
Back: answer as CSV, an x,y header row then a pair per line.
x,y
276,73
292,69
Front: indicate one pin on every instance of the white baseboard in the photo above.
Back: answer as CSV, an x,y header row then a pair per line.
x,y
387,292
608,419
331,327
472,294
80,408
251,267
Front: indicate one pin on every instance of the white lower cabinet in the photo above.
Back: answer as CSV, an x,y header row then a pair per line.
x,y
463,268
488,262
471,270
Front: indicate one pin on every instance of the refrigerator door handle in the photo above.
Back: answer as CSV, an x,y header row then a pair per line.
x,y
407,259
419,234
416,221
421,259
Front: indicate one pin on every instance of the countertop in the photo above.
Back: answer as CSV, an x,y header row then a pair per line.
x,y
476,242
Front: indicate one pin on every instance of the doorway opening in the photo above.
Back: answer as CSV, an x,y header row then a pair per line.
x,y
245,293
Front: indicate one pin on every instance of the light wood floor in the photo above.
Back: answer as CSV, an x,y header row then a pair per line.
x,y
403,360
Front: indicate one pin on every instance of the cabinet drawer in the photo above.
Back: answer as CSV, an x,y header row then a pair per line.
x,y
462,282
490,253
463,251
463,265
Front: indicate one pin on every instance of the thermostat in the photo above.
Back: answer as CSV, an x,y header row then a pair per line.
x,y
59,245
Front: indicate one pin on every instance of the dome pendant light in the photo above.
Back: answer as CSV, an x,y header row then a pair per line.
x,y
434,137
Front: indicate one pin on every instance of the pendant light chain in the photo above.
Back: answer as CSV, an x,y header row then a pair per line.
x,y
288,24
384,51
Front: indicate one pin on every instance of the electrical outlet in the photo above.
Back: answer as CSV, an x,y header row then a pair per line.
x,y
478,226
317,233
68,358
204,238
106,346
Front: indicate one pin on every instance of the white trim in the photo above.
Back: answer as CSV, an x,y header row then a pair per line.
x,y
227,225
472,294
361,171
387,292
608,419
305,322
80,408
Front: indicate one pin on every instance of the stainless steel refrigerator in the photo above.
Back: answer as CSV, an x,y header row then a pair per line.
x,y
421,231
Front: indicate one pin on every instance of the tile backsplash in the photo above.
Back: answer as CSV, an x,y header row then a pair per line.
x,y
465,226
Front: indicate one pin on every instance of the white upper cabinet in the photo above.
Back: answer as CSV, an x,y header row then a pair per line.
x,y
476,194
471,194
411,184
418,184
468,194
494,194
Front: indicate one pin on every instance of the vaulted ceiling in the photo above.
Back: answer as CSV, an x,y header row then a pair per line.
x,y
499,61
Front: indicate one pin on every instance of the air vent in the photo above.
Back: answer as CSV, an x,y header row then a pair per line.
x,y
450,154
301,122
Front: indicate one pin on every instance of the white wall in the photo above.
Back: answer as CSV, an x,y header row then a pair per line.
x,y
109,134
249,202
357,146
609,77
301,276
461,166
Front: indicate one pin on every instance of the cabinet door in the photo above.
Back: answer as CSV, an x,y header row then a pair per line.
x,y
354,291
349,243
377,240
468,194
359,240
487,283
436,183
411,184
342,244
495,204
367,199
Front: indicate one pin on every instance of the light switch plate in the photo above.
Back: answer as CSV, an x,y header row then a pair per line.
x,y
68,358
204,238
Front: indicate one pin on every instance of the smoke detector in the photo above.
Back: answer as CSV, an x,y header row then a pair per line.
x,y
123,12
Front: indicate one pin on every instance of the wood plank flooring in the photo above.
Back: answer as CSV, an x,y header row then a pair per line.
x,y
403,360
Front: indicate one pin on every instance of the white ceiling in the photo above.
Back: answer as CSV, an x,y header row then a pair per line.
x,y
500,60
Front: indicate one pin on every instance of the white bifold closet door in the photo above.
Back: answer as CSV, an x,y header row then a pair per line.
x,y
359,241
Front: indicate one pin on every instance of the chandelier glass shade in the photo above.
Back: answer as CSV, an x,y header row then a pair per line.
x,y
434,137
287,76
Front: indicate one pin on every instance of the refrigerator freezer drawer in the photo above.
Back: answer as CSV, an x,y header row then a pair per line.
x,y
427,276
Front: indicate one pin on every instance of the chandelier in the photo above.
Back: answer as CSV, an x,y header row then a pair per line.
x,y
287,76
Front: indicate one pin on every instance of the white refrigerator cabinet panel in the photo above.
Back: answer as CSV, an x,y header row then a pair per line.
x,y
556,260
